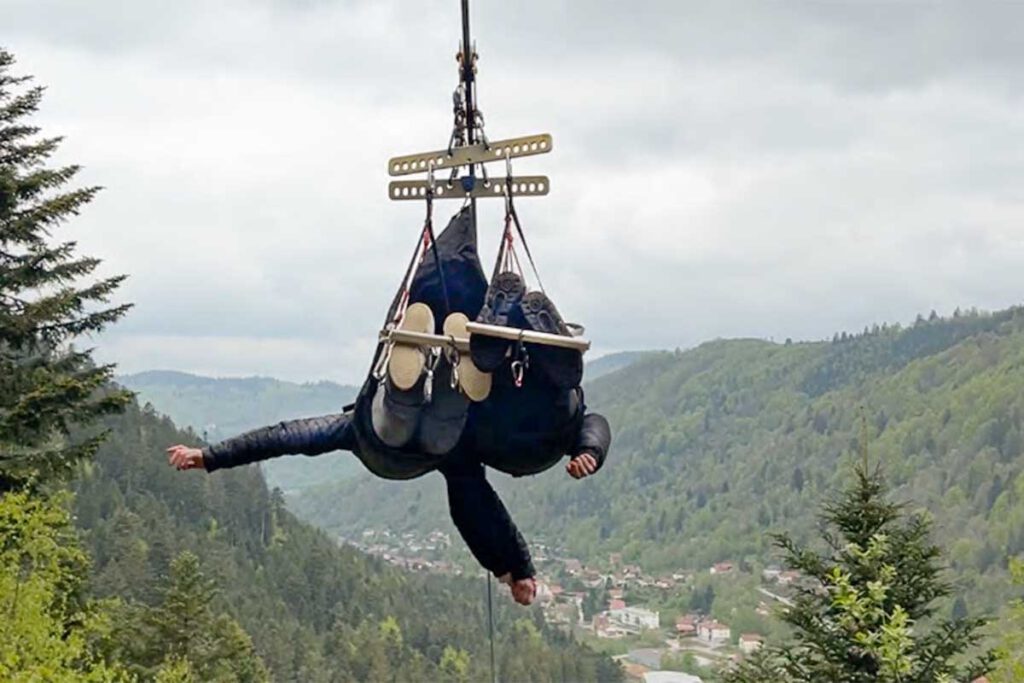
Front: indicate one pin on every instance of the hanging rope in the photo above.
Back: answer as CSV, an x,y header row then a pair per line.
x,y
427,241
511,209
490,627
512,218
401,300
508,257
428,228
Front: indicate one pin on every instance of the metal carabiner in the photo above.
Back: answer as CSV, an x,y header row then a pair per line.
x,y
381,369
508,169
518,371
451,354
521,362
428,386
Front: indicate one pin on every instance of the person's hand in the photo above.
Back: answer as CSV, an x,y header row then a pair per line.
x,y
581,466
184,457
523,590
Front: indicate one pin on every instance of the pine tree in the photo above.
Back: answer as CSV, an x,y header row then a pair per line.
x,y
185,627
48,300
866,612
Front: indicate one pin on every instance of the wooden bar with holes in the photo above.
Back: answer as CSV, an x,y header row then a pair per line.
x,y
522,186
462,343
479,153
528,336
424,339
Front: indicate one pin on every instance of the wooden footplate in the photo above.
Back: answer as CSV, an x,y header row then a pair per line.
x,y
461,344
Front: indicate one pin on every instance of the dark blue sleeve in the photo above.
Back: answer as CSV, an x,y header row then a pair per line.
x,y
595,437
308,436
484,523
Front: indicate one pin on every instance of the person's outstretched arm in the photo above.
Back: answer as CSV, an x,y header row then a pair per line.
x,y
591,447
308,436
488,530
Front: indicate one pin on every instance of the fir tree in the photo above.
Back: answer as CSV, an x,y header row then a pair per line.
x,y
48,300
866,612
186,628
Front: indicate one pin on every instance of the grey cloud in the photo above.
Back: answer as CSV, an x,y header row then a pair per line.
x,y
876,45
861,45
720,169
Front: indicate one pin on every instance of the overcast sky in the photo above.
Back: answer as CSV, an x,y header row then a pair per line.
x,y
763,169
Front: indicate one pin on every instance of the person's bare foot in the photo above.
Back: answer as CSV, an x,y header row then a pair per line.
x,y
184,457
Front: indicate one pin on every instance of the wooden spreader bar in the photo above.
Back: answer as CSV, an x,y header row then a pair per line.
x,y
522,186
480,153
462,343
425,339
528,336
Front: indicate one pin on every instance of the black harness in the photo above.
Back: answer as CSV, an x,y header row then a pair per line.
x,y
536,405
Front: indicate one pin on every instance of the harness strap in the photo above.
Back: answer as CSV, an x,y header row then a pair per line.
x,y
507,256
429,230
511,212
401,300
427,241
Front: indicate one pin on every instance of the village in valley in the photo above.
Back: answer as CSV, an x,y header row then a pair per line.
x,y
666,627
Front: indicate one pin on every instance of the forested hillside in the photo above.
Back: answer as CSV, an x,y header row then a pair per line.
x,y
717,445
610,363
218,408
315,611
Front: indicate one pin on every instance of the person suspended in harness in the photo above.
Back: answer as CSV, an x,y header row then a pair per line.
x,y
513,406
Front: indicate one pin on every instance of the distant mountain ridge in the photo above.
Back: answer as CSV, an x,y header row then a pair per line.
x,y
185,379
610,363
